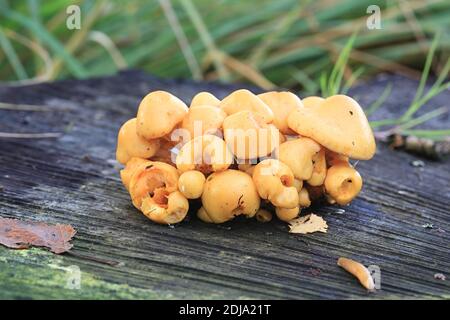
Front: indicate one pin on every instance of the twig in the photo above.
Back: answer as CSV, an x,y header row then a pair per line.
x,y
44,135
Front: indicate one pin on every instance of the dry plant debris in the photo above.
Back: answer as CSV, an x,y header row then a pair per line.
x,y
308,224
18,234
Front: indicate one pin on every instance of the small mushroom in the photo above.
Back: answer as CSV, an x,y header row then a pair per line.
x,y
202,120
129,144
281,104
158,114
174,209
248,136
153,179
339,124
303,198
243,99
207,153
191,184
298,155
312,101
319,169
227,194
275,182
263,215
287,214
343,183
204,99
153,190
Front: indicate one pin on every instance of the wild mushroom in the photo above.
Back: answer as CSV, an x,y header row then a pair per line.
x,y
312,101
202,120
190,184
281,104
248,136
319,169
298,155
204,99
129,144
303,198
287,214
343,183
158,114
275,182
227,194
172,211
263,215
339,124
207,153
153,190
243,99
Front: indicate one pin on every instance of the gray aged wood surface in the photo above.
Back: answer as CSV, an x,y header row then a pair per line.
x,y
118,253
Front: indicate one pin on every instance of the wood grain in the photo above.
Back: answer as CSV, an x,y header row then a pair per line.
x,y
121,254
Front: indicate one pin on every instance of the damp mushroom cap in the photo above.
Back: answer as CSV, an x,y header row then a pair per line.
x,y
244,99
227,194
339,124
158,114
281,103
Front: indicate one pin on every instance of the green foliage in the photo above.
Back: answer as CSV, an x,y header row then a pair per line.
x,y
288,43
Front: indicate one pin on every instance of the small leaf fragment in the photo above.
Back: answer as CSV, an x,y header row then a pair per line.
x,y
308,224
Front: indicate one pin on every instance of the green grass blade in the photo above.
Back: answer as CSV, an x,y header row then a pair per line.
x,y
377,103
12,56
73,65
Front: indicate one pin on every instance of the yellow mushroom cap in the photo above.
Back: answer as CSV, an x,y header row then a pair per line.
x,y
298,155
248,136
158,114
129,144
191,183
281,104
203,120
287,214
275,182
312,101
245,100
204,99
339,124
206,153
174,211
343,183
227,194
155,180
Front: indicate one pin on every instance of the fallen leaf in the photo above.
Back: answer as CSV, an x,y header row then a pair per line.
x,y
308,224
18,234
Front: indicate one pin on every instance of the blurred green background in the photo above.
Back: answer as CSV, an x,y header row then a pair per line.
x,y
283,43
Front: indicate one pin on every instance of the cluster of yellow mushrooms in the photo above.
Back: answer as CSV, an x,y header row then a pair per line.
x,y
242,155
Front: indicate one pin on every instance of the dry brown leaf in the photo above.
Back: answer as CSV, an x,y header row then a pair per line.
x,y
308,224
20,234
